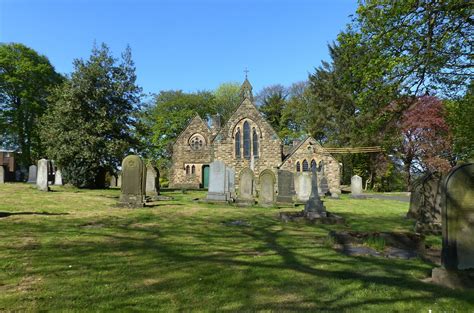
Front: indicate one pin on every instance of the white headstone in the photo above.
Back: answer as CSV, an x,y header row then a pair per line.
x,y
58,178
303,185
356,186
42,175
32,171
2,175
217,181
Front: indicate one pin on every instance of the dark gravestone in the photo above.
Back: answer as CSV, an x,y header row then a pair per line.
x,y
133,182
286,186
314,207
457,257
458,218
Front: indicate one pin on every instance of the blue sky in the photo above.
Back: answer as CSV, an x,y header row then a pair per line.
x,y
184,44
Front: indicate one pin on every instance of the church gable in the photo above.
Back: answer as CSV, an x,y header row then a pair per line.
x,y
195,128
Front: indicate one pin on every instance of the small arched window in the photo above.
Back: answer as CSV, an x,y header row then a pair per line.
x,y
313,164
298,167
246,140
193,169
255,143
187,169
305,166
237,144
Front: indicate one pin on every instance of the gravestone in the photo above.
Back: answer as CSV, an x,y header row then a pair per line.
x,y
2,175
356,187
458,228
303,186
324,187
42,175
152,181
133,182
113,181
425,203
217,181
246,185
119,180
314,207
230,173
32,171
286,186
267,188
58,178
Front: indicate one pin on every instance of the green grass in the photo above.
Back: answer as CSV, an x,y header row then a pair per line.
x,y
78,252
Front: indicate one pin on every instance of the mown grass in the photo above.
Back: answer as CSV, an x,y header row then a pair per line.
x,y
72,250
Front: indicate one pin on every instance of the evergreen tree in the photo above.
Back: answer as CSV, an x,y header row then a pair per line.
x,y
89,126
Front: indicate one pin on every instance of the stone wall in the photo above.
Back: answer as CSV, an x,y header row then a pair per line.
x,y
184,154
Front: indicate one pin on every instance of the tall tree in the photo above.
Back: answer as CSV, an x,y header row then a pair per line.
x,y
168,115
89,124
227,99
26,80
426,45
272,102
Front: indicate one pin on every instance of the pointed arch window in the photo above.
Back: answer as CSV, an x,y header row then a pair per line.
x,y
246,140
255,143
298,166
305,166
313,164
187,169
193,170
237,144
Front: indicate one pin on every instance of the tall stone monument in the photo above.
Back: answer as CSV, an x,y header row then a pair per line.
x,y
458,228
218,184
314,207
356,187
32,171
2,175
42,175
58,178
152,181
133,182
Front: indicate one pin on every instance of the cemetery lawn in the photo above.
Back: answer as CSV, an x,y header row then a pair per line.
x,y
72,250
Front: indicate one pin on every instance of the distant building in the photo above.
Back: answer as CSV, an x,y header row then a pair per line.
x,y
7,160
247,143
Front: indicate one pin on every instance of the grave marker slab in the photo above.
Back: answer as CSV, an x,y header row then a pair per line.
x,y
218,184
32,172
356,187
133,182
58,178
42,175
152,181
2,175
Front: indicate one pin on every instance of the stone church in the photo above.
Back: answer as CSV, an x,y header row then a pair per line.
x,y
251,148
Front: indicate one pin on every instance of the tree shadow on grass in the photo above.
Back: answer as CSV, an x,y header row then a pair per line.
x,y
7,214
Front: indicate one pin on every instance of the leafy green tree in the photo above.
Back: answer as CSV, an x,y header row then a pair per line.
x,y
461,121
272,100
89,125
26,80
425,45
167,116
227,99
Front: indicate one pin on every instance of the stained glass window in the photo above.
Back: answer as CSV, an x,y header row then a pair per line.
x,y
237,144
246,140
305,166
298,167
255,143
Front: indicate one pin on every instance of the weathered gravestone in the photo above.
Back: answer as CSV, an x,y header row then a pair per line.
x,y
133,182
2,175
303,186
324,187
356,187
286,186
119,180
113,181
267,187
458,229
42,175
425,203
32,171
217,181
58,178
152,181
314,207
246,185
230,173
